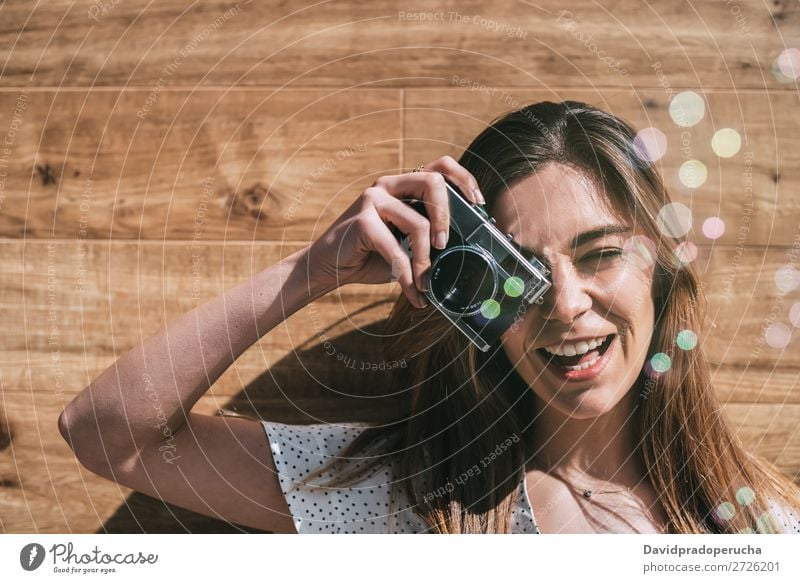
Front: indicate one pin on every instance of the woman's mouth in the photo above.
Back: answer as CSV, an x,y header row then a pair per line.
x,y
580,367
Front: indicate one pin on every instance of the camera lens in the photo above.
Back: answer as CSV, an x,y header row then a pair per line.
x,y
462,278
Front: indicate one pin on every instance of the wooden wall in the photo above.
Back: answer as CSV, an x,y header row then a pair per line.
x,y
155,154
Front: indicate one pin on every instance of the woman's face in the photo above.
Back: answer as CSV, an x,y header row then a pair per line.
x,y
592,295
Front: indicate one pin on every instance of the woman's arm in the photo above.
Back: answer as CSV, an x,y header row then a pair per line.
x,y
146,394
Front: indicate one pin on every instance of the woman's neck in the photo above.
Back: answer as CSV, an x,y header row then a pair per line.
x,y
599,449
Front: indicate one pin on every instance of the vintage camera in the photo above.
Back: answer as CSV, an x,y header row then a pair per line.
x,y
479,281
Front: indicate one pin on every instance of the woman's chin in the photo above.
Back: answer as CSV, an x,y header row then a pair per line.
x,y
583,402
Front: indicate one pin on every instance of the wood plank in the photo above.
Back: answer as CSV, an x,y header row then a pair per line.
x,y
43,489
81,306
197,165
735,384
302,375
103,299
231,166
166,44
216,126
755,192
744,302
769,431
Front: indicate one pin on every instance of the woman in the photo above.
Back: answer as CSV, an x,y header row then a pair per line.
x,y
567,424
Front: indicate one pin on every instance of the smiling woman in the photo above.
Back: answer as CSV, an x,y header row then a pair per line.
x,y
610,442
582,417
582,353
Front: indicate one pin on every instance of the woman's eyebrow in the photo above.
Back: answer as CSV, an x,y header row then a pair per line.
x,y
581,238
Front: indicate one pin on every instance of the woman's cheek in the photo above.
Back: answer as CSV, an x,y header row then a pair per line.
x,y
626,287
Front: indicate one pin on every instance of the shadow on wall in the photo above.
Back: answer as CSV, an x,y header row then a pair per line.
x,y
312,385
5,433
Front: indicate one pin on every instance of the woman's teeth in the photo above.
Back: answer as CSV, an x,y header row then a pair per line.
x,y
574,349
582,366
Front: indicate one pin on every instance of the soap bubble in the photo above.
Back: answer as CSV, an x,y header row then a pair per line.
x,y
686,252
789,63
725,511
687,108
650,144
640,250
660,362
726,142
675,219
794,315
778,335
514,286
764,524
713,228
490,309
693,173
787,278
745,495
686,340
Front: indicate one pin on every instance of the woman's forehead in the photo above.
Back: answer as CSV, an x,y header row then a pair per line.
x,y
552,206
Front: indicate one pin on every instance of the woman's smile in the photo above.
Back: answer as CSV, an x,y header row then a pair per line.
x,y
596,321
587,365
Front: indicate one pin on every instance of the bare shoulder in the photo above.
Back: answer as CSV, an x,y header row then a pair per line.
x,y
221,467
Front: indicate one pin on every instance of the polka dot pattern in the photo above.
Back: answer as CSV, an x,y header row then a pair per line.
x,y
787,518
375,504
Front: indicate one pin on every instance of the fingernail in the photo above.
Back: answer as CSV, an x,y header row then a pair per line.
x,y
441,240
479,194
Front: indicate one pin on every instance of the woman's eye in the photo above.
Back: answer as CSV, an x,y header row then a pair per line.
x,y
604,254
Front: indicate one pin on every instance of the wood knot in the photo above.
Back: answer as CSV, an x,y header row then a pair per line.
x,y
780,10
256,201
46,174
5,436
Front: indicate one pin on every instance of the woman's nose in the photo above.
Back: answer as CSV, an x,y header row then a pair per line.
x,y
568,297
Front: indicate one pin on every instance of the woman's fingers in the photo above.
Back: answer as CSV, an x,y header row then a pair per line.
x,y
428,187
384,242
416,227
385,197
462,177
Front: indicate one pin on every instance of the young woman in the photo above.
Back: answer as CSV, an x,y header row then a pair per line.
x,y
591,414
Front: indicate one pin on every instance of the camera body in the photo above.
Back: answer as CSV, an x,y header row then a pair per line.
x,y
479,281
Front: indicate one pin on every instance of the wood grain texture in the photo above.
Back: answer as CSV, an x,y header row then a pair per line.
x,y
102,299
392,43
755,192
43,489
130,289
153,155
251,165
203,165
79,307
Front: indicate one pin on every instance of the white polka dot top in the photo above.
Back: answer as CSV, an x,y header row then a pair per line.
x,y
788,518
375,504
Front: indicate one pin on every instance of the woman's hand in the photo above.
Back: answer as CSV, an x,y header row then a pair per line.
x,y
359,247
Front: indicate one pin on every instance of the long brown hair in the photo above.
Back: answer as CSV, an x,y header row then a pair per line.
x,y
461,452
